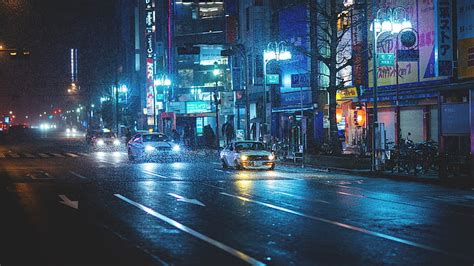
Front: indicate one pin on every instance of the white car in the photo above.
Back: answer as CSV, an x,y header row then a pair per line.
x,y
247,155
152,146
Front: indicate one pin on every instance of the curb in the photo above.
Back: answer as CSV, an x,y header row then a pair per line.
x,y
464,183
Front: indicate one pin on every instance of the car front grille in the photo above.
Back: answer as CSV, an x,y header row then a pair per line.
x,y
258,158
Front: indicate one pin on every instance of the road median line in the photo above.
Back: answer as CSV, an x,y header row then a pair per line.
x,y
192,232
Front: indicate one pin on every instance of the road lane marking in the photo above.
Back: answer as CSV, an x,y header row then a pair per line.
x,y
57,155
71,154
78,175
43,155
349,194
68,202
2,155
300,198
192,232
347,226
14,155
223,171
153,174
83,153
29,155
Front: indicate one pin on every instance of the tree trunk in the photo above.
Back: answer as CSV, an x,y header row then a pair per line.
x,y
313,144
333,135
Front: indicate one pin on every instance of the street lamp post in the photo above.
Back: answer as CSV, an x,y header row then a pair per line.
x,y
275,51
216,73
390,22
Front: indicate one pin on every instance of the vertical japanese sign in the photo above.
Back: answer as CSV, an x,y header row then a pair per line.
x,y
444,37
359,48
465,38
150,28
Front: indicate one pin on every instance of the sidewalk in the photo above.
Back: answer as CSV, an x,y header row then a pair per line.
x,y
361,166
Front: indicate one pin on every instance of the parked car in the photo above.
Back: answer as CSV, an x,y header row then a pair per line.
x,y
247,155
152,146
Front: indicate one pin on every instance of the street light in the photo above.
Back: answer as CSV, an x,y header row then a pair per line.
x,y
275,51
386,20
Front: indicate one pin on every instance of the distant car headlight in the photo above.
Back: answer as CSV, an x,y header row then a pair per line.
x,y
74,130
176,148
116,142
271,157
100,142
244,157
149,148
68,130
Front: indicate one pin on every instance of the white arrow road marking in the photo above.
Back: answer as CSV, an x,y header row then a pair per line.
x,y
193,232
348,226
66,201
183,199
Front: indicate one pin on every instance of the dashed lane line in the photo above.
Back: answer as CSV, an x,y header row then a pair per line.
x,y
14,155
29,155
78,175
347,226
154,174
193,232
44,155
57,155
71,154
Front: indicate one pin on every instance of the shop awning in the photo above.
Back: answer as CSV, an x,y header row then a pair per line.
x,y
292,109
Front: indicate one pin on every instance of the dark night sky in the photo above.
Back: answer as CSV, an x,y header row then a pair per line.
x,y
49,28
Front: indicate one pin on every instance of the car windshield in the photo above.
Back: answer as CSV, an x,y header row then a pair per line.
x,y
154,138
108,135
253,146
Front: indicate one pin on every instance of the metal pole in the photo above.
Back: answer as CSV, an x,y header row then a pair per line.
x,y
117,110
264,92
375,70
154,108
217,117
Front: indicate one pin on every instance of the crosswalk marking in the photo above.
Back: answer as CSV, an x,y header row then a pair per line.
x,y
41,155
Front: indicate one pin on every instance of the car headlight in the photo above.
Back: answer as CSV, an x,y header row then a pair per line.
x,y
116,142
176,148
244,157
74,130
271,157
68,130
149,148
100,142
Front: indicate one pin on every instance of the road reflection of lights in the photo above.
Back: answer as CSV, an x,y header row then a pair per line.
x,y
116,154
100,154
177,165
244,186
150,167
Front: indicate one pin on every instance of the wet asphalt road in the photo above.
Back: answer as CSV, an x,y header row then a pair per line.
x,y
193,212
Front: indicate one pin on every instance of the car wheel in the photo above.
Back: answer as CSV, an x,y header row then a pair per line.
x,y
224,164
238,166
130,156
